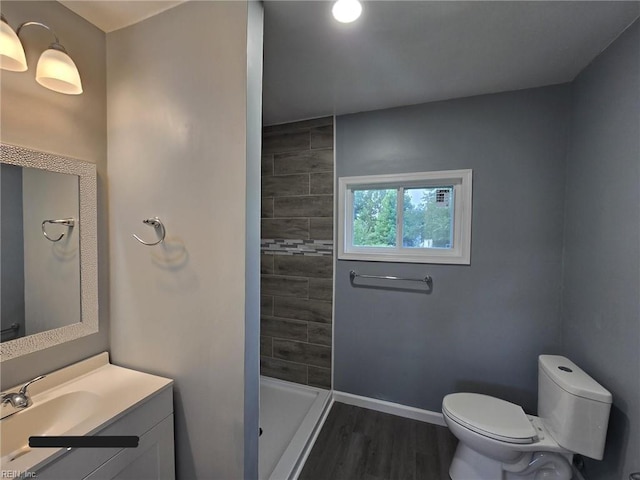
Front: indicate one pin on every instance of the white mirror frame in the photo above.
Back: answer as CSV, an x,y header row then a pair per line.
x,y
24,157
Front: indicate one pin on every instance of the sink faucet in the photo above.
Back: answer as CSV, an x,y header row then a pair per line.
x,y
21,399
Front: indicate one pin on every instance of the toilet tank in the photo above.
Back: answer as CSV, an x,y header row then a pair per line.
x,y
573,406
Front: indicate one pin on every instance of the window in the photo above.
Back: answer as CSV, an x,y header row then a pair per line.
x,y
415,217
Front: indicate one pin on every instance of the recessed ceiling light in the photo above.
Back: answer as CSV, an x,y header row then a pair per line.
x,y
346,11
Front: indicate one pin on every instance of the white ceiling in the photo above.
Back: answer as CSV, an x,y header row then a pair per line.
x,y
407,52
115,14
403,53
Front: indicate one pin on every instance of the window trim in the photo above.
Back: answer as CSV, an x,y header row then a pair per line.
x,y
461,180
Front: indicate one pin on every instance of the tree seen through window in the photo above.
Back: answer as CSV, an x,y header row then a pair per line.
x,y
427,217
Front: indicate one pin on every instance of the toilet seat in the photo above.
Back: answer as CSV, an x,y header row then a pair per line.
x,y
494,418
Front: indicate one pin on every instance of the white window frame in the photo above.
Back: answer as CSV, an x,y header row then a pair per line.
x,y
462,197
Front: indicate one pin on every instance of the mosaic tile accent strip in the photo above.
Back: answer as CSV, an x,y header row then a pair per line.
x,y
313,248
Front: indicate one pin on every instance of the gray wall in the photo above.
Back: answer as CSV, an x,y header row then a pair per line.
x,y
38,118
297,252
183,136
600,309
12,305
483,326
70,125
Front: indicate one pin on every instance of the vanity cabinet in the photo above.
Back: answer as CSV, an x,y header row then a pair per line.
x,y
153,459
152,421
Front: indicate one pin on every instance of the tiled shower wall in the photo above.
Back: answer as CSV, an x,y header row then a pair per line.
x,y
297,252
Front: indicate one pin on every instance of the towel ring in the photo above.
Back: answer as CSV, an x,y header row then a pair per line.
x,y
156,223
67,222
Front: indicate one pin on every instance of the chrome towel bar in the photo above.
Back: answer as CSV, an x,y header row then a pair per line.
x,y
427,279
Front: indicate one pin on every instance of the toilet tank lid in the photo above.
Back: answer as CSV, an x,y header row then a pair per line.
x,y
572,379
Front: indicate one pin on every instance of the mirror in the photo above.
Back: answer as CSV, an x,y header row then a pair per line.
x,y
48,250
39,253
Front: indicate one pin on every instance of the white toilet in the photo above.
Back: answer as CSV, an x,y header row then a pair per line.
x,y
498,441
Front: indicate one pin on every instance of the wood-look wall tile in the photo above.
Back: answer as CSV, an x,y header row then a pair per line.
x,y
283,328
292,372
266,305
303,266
321,288
322,137
320,184
299,352
319,333
320,377
266,264
284,286
311,206
302,309
313,161
286,142
266,207
301,125
286,185
266,165
321,228
289,228
297,290
266,346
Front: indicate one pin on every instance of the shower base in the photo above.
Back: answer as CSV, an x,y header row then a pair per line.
x,y
290,416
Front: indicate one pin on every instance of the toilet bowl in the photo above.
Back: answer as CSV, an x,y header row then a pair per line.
x,y
498,441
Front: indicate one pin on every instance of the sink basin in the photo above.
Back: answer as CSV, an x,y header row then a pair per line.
x,y
53,417
78,400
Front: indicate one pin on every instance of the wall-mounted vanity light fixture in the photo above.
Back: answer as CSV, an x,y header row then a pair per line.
x,y
55,70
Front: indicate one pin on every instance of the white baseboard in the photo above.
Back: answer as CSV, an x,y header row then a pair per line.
x,y
398,409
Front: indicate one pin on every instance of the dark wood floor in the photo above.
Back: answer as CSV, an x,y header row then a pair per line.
x,y
356,443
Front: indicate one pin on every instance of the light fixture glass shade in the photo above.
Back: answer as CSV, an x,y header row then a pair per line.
x,y
11,52
56,71
346,11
